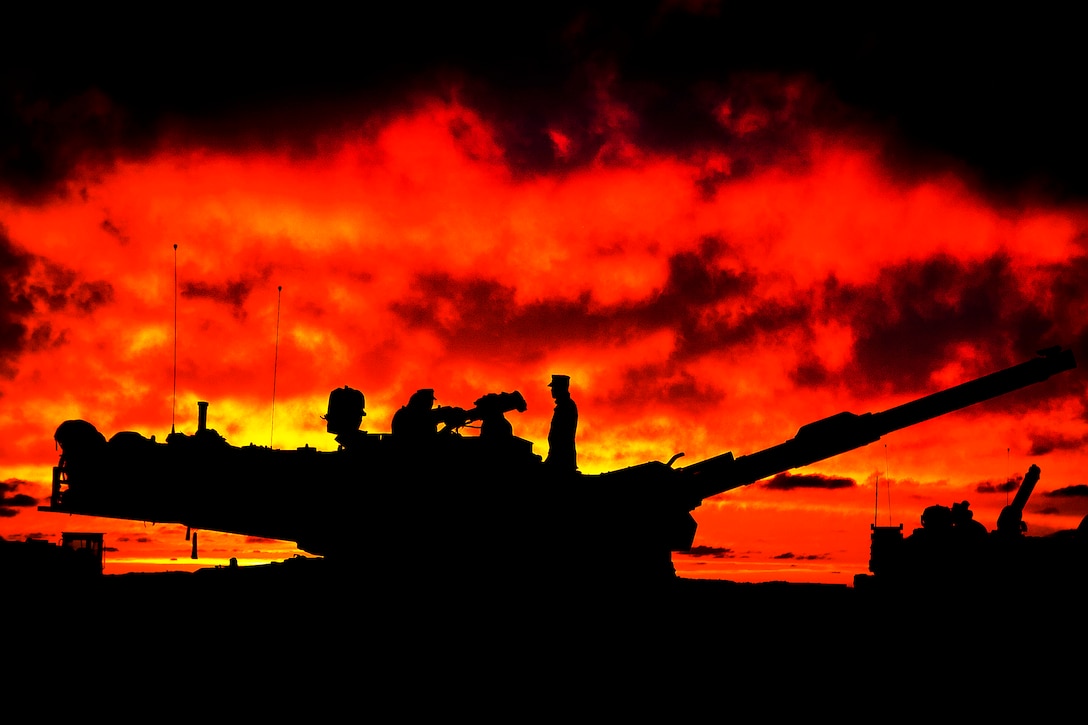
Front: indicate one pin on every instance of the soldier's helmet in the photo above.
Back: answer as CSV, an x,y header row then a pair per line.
x,y
423,398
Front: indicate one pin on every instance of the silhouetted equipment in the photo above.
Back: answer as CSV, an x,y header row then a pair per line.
x,y
459,506
1011,519
490,410
953,552
79,555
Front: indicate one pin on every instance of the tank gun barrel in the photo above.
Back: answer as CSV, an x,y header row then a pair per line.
x,y
846,431
1027,486
1011,518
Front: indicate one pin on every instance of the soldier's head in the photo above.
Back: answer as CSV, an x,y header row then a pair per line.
x,y
560,385
422,399
962,512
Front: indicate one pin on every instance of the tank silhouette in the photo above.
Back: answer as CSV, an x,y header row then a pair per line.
x,y
462,507
952,552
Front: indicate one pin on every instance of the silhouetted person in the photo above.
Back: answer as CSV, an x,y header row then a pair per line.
x,y
418,420
345,415
970,539
966,528
80,443
936,525
564,426
415,419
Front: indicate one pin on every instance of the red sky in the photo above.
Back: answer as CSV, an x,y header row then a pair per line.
x,y
714,263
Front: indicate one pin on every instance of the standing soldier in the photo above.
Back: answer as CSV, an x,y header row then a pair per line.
x,y
561,450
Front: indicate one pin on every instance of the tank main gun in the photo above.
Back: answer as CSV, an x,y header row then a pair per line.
x,y
846,431
1010,522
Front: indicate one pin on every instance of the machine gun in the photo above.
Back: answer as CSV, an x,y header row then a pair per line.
x,y
490,411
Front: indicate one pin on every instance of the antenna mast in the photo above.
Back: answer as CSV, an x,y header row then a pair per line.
x,y
275,365
888,484
876,497
876,492
1008,476
174,403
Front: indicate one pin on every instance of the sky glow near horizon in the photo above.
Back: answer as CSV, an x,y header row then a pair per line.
x,y
708,298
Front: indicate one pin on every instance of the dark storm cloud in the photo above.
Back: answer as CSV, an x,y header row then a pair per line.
x,y
1064,291
1047,442
789,482
715,552
996,92
646,386
232,293
999,486
15,305
1078,491
28,284
481,316
991,89
687,305
927,309
62,290
111,229
801,557
11,499
46,137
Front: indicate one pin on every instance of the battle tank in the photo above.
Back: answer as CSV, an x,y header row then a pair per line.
x,y
953,552
453,507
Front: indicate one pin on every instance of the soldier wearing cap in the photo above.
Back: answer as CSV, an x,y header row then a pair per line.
x,y
561,449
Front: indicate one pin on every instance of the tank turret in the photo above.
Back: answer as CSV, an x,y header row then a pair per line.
x,y
951,552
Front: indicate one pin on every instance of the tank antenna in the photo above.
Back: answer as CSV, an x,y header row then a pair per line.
x,y
876,496
275,365
1008,478
174,403
888,483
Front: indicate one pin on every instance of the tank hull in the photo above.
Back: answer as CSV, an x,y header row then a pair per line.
x,y
456,506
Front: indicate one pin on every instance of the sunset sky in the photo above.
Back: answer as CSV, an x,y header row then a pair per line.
x,y
722,223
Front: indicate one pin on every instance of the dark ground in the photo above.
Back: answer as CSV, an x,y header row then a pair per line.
x,y
323,640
